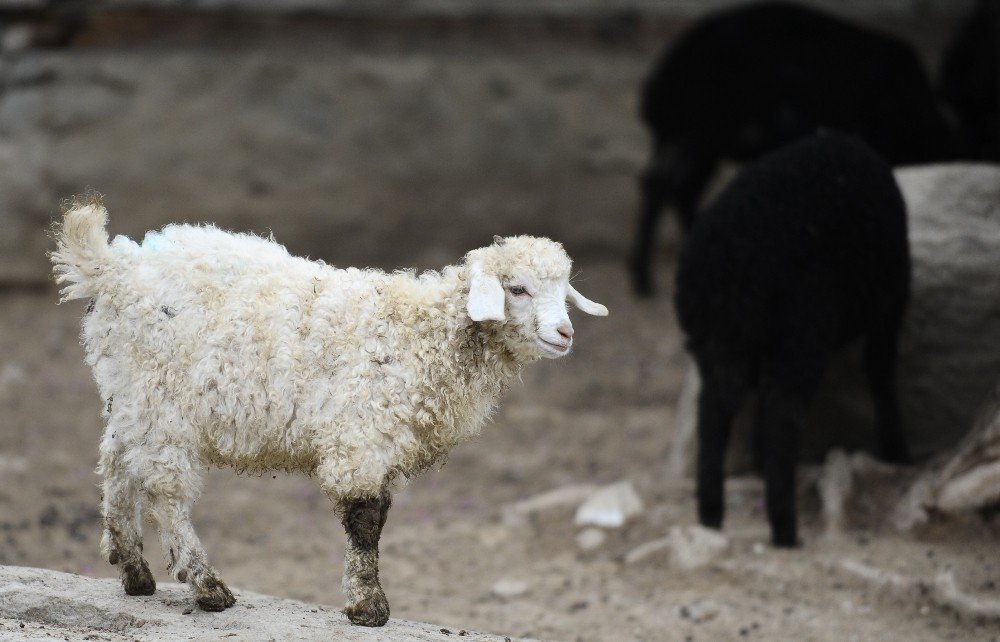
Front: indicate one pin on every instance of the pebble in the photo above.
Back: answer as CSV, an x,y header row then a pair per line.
x,y
590,539
701,611
696,546
508,588
689,547
518,513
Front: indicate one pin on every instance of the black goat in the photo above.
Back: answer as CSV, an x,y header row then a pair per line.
x,y
970,81
745,81
804,252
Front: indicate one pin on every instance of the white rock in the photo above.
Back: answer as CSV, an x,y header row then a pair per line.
x,y
508,588
646,549
700,611
62,606
610,507
695,546
516,514
590,538
949,353
689,547
966,480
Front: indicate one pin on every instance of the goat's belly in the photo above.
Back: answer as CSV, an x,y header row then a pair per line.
x,y
252,449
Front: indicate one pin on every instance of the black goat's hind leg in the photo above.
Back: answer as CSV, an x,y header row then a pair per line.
x,y
880,366
654,195
721,396
779,417
674,175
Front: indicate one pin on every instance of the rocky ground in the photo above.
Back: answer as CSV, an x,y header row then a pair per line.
x,y
38,604
458,552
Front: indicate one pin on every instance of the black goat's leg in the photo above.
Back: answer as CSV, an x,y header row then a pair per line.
x,y
779,418
653,193
720,399
674,174
880,367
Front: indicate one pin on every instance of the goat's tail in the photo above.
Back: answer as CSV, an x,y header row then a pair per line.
x,y
82,252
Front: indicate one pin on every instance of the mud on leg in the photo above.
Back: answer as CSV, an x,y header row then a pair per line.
x,y
121,542
363,520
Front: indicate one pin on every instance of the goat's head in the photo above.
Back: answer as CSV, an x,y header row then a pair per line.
x,y
522,282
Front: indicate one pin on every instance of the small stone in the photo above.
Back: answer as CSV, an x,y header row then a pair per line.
x,y
701,611
590,539
188,611
508,588
643,551
689,547
695,546
518,513
610,507
758,548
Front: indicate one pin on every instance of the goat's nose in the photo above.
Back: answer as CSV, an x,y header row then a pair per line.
x,y
565,330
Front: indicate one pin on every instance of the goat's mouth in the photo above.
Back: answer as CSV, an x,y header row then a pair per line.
x,y
557,349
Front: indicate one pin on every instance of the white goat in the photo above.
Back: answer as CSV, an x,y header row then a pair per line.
x,y
213,348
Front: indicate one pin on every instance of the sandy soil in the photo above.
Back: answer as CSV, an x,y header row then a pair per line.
x,y
603,414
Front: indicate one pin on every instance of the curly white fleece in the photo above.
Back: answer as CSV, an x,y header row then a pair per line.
x,y
210,347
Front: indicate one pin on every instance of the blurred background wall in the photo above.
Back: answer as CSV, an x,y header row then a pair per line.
x,y
362,132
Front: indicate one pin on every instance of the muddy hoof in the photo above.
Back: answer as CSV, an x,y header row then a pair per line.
x,y
137,580
216,598
372,611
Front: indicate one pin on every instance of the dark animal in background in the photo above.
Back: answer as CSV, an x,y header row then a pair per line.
x,y
804,252
746,81
970,82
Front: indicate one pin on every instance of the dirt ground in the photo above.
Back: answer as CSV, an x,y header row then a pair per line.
x,y
604,414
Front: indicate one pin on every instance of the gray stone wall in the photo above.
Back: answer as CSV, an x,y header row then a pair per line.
x,y
354,138
344,155
471,7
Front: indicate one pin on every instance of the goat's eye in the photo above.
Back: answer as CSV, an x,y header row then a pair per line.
x,y
517,290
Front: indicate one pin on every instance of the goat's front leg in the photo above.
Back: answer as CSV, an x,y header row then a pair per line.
x,y
363,520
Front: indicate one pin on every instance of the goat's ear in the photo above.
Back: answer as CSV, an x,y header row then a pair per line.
x,y
486,296
585,304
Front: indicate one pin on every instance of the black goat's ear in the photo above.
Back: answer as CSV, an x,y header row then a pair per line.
x,y
499,240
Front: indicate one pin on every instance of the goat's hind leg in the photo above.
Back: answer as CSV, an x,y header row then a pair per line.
x,y
171,489
363,520
121,543
788,382
724,390
880,367
676,174
780,411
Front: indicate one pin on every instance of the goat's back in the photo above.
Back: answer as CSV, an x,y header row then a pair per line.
x,y
747,80
808,241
